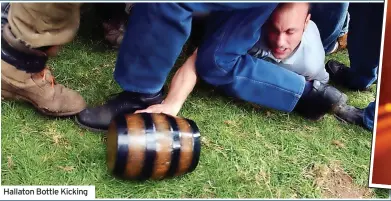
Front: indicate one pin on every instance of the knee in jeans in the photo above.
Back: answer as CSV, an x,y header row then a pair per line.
x,y
210,71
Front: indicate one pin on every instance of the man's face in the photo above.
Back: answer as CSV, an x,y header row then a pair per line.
x,y
286,27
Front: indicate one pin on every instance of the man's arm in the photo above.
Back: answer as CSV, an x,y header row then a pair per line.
x,y
181,86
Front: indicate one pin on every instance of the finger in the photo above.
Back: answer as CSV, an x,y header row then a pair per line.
x,y
142,111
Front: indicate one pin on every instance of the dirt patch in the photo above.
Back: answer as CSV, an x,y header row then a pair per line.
x,y
338,143
334,182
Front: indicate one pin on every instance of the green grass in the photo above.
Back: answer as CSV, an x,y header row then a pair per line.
x,y
246,152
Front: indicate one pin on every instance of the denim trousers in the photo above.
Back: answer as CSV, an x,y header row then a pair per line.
x,y
157,32
332,21
364,43
364,39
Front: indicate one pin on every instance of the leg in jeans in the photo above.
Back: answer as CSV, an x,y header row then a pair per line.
x,y
364,48
155,51
29,36
365,54
369,115
224,62
345,27
364,42
331,21
153,41
161,29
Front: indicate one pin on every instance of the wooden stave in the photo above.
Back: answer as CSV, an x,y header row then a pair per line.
x,y
185,164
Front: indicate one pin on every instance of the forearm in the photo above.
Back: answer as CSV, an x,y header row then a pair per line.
x,y
182,83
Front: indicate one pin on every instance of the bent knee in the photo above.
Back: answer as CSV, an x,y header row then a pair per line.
x,y
210,71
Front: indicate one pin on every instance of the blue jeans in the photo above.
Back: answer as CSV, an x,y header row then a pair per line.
x,y
223,61
364,42
332,21
345,27
369,115
157,31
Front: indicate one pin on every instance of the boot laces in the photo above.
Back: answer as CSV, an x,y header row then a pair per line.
x,y
47,75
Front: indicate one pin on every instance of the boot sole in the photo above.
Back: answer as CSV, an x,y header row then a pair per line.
x,y
89,128
6,95
340,119
346,122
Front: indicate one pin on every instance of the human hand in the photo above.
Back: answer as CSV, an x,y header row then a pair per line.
x,y
164,108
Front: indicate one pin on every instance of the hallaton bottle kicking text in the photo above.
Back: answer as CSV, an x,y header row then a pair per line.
x,y
45,191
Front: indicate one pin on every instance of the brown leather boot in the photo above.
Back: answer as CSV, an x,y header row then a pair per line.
x,y
341,44
40,90
343,41
21,81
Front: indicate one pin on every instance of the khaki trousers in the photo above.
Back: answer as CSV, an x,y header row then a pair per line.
x,y
44,24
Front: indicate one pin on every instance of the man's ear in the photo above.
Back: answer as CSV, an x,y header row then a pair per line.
x,y
307,20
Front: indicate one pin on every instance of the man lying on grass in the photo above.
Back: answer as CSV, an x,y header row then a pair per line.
x,y
291,40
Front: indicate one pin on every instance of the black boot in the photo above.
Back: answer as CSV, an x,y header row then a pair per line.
x,y
350,114
320,100
339,74
98,118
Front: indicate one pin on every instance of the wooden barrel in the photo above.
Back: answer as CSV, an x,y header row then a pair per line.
x,y
152,146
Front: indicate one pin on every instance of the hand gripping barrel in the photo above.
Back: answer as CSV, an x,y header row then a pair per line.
x,y
152,146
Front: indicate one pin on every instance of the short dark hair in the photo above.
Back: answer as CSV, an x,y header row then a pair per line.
x,y
309,6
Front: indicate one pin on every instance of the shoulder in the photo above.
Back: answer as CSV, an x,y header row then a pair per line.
x,y
311,41
313,54
312,32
